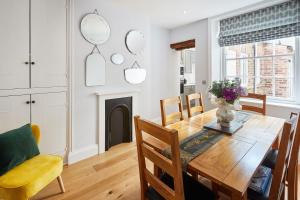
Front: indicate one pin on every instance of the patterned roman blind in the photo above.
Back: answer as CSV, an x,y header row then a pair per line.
x,y
278,21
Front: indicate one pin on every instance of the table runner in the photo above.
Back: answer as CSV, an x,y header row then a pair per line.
x,y
194,145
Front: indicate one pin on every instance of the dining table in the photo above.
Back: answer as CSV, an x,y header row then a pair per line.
x,y
232,161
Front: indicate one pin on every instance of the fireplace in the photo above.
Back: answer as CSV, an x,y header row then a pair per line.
x,y
114,93
118,123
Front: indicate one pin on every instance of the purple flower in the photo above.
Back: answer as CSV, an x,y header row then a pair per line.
x,y
229,94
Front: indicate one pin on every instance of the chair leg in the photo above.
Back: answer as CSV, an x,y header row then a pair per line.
x,y
61,184
296,183
292,186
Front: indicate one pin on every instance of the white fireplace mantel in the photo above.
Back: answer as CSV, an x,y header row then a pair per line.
x,y
113,94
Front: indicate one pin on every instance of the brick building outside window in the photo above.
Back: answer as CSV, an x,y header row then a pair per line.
x,y
264,67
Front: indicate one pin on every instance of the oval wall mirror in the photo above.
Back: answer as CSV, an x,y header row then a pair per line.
x,y
94,28
95,70
117,58
135,41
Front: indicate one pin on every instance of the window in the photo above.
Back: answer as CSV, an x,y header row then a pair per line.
x,y
264,67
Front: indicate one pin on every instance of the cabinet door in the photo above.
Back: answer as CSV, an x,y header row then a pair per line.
x,y
14,112
49,112
14,44
48,43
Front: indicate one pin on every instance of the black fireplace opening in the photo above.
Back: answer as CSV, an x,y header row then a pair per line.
x,y
118,123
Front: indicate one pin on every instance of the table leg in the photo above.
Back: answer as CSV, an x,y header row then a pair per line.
x,y
237,196
194,175
157,171
215,188
245,197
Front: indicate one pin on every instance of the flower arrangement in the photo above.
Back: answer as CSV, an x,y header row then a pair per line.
x,y
227,94
228,90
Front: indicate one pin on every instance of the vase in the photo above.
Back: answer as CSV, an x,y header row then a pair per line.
x,y
225,113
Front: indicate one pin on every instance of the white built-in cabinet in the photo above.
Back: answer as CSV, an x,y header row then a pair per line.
x,y
14,44
48,43
33,69
14,112
46,110
32,43
49,112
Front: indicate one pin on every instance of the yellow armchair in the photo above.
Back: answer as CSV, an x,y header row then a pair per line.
x,y
27,179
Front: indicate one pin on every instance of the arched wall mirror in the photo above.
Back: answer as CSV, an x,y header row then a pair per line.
x,y
135,41
95,28
95,69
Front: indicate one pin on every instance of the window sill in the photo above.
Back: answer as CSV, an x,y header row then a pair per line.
x,y
270,103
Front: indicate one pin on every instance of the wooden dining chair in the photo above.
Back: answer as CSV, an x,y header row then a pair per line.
x,y
173,184
292,176
196,109
270,159
260,97
276,186
173,117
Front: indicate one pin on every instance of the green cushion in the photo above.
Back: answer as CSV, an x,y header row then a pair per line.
x,y
16,146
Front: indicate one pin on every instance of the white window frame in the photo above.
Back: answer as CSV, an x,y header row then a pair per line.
x,y
296,78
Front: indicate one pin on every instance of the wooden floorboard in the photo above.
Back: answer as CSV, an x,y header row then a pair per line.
x,y
111,176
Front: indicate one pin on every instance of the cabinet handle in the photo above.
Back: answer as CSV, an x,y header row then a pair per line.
x,y
32,63
26,63
33,101
27,102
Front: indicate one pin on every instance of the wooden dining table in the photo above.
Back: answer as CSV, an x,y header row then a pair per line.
x,y
233,160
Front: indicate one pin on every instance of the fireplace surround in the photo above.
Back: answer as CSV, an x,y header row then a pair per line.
x,y
101,118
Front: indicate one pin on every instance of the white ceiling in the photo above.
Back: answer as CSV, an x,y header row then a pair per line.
x,y
173,13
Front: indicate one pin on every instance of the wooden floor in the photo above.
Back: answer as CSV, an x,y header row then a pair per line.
x,y
112,175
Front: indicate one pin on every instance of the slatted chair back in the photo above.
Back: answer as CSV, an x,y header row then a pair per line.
x,y
170,166
172,117
292,176
261,97
196,109
277,190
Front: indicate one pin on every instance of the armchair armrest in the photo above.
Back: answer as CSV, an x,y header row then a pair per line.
x,y
36,132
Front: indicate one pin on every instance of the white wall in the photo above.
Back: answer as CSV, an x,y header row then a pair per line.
x,y
198,31
163,69
155,59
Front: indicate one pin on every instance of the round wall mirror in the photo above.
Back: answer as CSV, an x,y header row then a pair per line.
x,y
95,29
135,41
117,58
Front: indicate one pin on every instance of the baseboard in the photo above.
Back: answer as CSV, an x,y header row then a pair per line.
x,y
82,154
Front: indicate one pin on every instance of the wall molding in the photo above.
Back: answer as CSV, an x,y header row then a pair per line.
x,y
71,75
83,153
